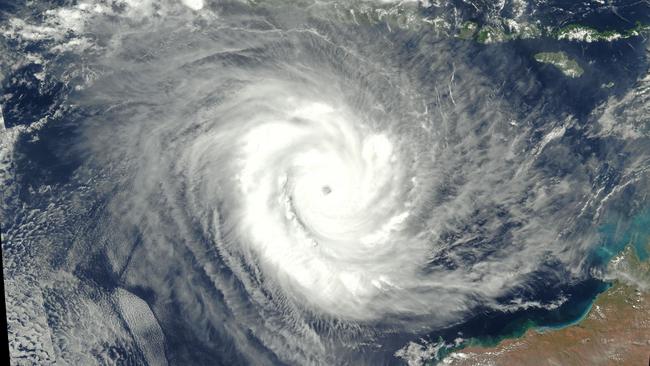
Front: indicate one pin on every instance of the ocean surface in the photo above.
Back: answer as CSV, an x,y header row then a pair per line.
x,y
269,182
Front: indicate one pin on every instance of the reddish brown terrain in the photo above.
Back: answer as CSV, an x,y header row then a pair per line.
x,y
615,332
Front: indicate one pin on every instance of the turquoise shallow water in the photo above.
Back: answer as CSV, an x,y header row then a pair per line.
x,y
615,236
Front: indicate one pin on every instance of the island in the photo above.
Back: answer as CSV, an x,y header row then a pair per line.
x,y
560,60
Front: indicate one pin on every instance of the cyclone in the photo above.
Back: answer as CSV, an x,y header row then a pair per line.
x,y
325,188
322,198
271,184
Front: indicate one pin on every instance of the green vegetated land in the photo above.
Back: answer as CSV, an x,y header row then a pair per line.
x,y
567,66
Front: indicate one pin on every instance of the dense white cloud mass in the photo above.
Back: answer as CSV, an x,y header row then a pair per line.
x,y
193,4
271,187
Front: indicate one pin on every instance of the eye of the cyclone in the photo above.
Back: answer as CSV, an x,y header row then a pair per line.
x,y
324,203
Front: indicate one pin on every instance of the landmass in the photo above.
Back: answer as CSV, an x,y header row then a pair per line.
x,y
560,60
616,330
410,15
577,32
503,30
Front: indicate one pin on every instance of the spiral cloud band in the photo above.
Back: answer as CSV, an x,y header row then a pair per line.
x,y
272,184
328,195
